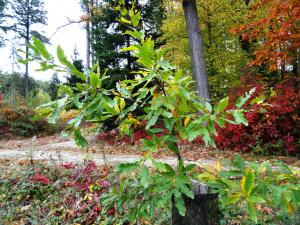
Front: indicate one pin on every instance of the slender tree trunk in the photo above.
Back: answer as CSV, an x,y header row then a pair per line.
x,y
128,54
94,4
296,62
196,48
26,81
245,44
88,39
211,69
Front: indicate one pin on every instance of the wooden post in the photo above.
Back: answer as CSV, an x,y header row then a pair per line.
x,y
202,210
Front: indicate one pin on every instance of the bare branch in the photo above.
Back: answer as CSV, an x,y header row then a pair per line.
x,y
65,25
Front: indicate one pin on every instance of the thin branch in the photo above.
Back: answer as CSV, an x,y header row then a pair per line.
x,y
65,25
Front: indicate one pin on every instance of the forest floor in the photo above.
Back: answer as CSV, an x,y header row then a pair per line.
x,y
57,149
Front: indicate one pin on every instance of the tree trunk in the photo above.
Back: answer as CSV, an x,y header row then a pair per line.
x,y
196,48
94,3
26,80
245,44
296,64
202,210
88,39
211,69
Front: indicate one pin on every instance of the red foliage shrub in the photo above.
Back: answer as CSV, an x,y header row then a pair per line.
x,y
68,165
273,126
41,179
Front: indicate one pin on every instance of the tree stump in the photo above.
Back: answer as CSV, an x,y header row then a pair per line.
x,y
202,210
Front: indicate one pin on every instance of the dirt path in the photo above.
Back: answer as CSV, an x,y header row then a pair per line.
x,y
59,150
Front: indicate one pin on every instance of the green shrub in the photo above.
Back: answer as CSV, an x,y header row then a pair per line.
x,y
256,193
39,98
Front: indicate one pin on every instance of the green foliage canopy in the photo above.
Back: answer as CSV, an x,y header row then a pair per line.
x,y
223,53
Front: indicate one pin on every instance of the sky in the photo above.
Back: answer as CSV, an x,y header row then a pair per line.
x,y
59,12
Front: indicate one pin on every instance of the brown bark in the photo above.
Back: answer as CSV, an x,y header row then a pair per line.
x,y
196,48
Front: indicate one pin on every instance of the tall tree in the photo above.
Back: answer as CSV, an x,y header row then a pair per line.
x,y
72,80
3,16
272,27
87,6
196,48
26,14
224,56
53,86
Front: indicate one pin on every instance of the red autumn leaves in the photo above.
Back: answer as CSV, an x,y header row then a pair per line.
x,y
273,27
40,178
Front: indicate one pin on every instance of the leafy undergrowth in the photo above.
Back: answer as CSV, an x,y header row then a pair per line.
x,y
53,194
41,193
256,193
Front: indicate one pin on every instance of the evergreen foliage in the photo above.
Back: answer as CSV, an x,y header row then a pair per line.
x,y
72,79
27,13
53,87
108,35
11,86
2,21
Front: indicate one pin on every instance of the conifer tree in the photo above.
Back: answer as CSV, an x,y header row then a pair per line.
x,y
53,86
78,63
3,26
108,35
26,14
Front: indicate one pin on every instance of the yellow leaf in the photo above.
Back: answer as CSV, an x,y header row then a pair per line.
x,y
117,108
91,188
247,182
219,165
130,117
186,121
290,209
155,94
122,104
210,169
243,181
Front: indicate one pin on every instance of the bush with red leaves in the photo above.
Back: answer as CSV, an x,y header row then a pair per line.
x,y
40,178
273,126
65,194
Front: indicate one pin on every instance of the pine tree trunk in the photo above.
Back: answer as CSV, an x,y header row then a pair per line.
x,y
196,48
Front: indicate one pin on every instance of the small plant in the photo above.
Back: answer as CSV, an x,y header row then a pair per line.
x,y
253,193
172,111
